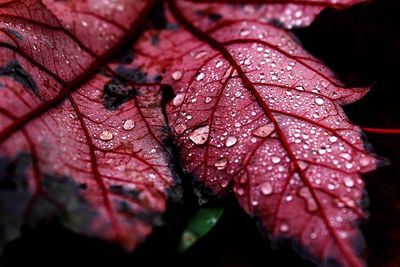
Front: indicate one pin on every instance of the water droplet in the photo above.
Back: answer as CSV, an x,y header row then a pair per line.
x,y
275,159
319,101
106,135
316,115
230,141
345,156
238,94
343,234
348,165
200,54
208,99
177,75
178,100
348,182
84,23
220,164
305,193
266,189
289,198
364,162
331,186
265,130
332,139
240,191
224,183
128,125
303,165
244,32
200,135
180,128
313,235
339,218
300,88
284,227
219,64
200,76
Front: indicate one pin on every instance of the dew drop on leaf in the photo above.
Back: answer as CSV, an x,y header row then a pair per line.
x,y
106,135
230,141
348,182
284,227
305,193
219,64
275,159
200,135
364,162
220,164
178,100
266,189
332,139
349,165
177,75
200,76
128,125
319,101
346,156
208,99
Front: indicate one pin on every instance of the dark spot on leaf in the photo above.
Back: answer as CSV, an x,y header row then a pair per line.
x,y
125,56
132,74
133,193
14,70
214,17
83,186
14,33
116,93
155,40
172,26
123,207
119,189
277,23
167,94
64,202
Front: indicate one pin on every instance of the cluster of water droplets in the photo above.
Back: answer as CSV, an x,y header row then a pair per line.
x,y
232,136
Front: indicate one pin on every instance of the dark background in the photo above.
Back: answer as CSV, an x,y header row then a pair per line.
x,y
362,45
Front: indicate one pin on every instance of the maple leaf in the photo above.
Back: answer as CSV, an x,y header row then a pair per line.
x,y
255,112
70,147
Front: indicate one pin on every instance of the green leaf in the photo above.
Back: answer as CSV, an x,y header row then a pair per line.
x,y
201,223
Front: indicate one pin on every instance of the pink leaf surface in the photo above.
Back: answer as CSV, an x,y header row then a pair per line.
x,y
103,171
255,112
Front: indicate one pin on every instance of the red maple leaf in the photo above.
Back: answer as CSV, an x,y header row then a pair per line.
x,y
254,112
103,171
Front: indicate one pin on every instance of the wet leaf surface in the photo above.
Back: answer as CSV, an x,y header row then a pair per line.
x,y
86,136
